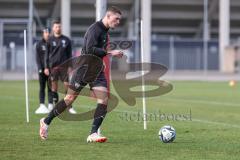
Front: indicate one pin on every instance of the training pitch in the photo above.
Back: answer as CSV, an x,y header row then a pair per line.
x,y
206,116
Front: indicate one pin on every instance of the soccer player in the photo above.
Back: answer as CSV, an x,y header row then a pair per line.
x,y
95,40
59,50
41,48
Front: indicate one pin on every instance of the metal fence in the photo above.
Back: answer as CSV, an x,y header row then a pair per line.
x,y
188,54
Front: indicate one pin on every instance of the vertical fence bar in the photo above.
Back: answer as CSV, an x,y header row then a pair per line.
x,y
205,37
171,54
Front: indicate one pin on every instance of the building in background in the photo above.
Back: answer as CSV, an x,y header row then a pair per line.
x,y
177,29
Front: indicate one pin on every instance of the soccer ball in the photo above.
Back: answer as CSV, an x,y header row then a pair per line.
x,y
167,134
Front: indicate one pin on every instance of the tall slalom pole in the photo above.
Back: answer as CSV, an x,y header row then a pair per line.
x,y
25,70
101,7
143,81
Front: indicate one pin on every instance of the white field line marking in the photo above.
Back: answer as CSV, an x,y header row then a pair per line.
x,y
216,123
20,98
203,102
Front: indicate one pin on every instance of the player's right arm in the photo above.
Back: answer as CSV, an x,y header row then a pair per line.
x,y
38,57
92,45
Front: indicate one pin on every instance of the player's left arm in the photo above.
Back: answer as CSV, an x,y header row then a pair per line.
x,y
46,59
69,49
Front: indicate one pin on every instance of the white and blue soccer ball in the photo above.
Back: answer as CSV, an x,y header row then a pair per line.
x,y
167,134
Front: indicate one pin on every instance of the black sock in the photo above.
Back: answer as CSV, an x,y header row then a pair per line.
x,y
55,97
57,110
99,115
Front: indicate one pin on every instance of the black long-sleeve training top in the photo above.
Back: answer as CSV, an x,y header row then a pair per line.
x,y
41,49
96,39
59,49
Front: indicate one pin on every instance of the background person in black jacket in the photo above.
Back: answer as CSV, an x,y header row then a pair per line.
x,y
59,50
41,48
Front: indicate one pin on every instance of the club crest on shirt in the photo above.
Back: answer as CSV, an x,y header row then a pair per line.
x,y
43,48
54,43
63,43
77,85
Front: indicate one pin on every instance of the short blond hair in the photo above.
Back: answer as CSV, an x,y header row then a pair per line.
x,y
114,9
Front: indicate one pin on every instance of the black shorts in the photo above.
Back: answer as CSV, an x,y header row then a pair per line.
x,y
77,84
57,74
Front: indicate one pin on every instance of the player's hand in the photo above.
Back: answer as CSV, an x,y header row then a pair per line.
x,y
70,71
116,53
46,71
